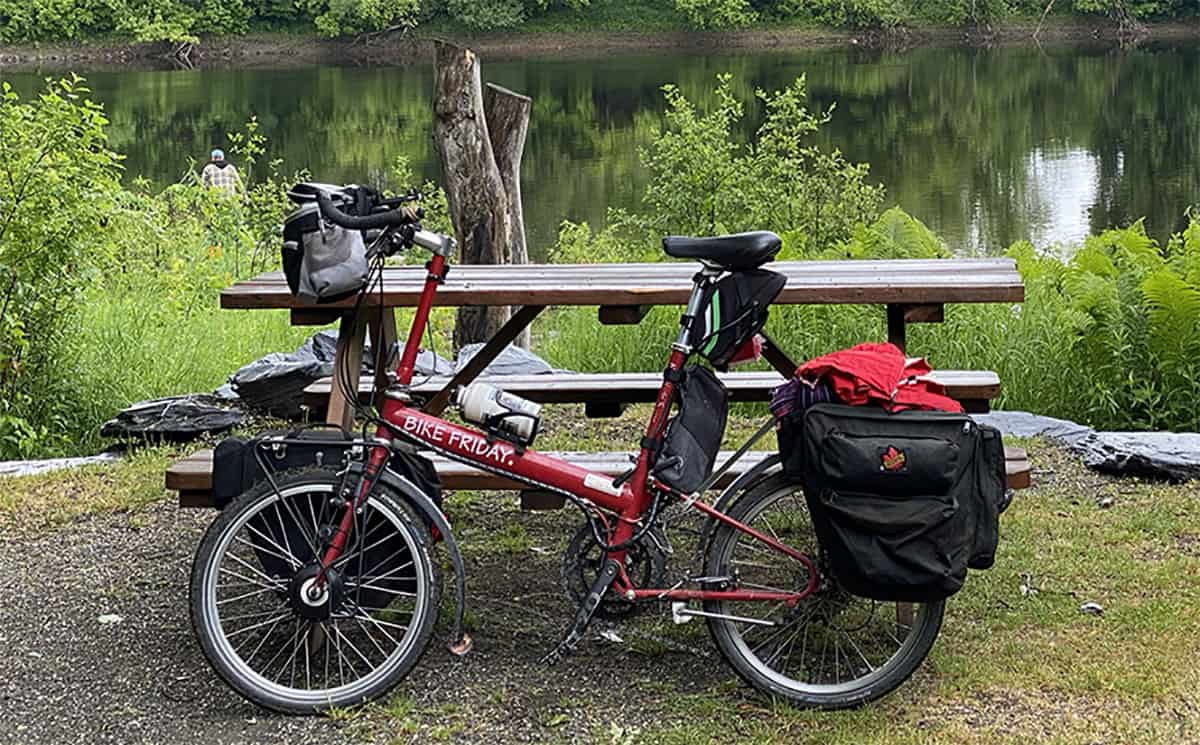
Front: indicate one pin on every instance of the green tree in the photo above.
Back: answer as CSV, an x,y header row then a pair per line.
x,y
717,14
338,17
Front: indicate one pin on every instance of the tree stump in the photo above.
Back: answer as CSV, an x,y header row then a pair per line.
x,y
480,141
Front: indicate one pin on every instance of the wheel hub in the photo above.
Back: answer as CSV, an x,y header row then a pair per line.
x,y
312,599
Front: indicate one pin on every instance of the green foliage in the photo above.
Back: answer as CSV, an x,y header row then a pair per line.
x,y
58,180
484,15
704,180
338,17
717,14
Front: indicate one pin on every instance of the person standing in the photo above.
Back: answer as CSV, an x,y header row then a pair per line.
x,y
220,174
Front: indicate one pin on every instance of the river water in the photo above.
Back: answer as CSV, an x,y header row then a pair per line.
x,y
986,146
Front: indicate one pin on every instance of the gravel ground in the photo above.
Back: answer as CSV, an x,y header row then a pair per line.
x,y
72,678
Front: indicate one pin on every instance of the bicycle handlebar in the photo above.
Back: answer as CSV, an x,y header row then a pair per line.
x,y
393,217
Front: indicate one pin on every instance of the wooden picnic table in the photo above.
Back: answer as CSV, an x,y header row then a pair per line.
x,y
912,291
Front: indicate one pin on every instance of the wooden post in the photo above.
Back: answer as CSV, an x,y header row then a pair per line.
x,y
482,173
507,123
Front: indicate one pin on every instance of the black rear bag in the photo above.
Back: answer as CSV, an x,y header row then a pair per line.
x,y
693,436
902,503
733,310
236,469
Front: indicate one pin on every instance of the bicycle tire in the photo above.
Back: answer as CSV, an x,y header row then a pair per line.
x,y
238,673
925,622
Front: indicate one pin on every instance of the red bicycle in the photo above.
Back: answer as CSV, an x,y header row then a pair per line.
x,y
317,587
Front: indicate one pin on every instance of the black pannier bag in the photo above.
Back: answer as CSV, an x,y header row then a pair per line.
x,y
236,469
324,262
693,436
733,310
903,503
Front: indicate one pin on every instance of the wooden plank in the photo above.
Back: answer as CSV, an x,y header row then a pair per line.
x,y
905,281
484,357
623,315
192,476
931,313
314,316
973,386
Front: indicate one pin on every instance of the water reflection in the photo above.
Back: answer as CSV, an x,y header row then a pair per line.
x,y
986,146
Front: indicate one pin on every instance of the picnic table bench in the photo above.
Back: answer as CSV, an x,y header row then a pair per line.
x,y
911,291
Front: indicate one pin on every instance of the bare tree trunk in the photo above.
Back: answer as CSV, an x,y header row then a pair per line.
x,y
508,122
480,139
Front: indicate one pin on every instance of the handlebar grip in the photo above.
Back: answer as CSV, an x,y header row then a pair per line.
x,y
331,212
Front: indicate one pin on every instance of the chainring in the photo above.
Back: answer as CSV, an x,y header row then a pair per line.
x,y
645,565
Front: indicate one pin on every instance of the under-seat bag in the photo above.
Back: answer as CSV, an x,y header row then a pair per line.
x,y
733,310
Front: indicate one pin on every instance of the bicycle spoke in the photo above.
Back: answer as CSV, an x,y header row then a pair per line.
x,y
377,588
287,555
383,627
350,644
257,625
253,570
261,642
248,594
291,560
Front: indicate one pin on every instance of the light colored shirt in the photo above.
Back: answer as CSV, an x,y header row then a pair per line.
x,y
224,179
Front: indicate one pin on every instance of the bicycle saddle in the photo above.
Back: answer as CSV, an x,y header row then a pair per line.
x,y
738,251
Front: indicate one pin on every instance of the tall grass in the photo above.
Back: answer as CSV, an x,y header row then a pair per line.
x,y
132,349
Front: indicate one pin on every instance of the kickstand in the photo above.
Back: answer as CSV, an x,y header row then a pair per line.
x,y
587,609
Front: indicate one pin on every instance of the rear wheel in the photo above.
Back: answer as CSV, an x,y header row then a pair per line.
x,y
290,643
832,650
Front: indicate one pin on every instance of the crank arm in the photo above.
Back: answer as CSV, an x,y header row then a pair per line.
x,y
587,609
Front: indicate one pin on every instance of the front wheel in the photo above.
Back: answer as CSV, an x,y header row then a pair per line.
x,y
833,650
290,642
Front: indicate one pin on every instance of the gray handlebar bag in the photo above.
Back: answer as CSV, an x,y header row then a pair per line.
x,y
323,262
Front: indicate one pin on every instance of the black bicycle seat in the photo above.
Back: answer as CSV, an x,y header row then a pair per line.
x,y
738,251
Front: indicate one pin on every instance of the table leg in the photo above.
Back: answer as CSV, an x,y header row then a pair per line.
x,y
509,331
351,333
383,337
895,325
777,358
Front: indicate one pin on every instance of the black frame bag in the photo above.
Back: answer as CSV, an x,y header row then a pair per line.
x,y
733,310
902,503
693,435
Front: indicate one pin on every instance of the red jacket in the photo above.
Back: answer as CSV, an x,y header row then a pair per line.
x,y
880,374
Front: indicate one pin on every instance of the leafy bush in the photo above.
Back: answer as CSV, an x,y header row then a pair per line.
x,y
57,186
337,17
717,14
704,179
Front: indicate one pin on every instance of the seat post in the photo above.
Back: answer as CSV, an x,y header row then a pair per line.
x,y
700,281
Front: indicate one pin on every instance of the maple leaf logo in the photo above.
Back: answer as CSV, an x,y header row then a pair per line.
x,y
893,460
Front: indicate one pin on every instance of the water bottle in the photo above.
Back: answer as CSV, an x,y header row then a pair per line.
x,y
479,402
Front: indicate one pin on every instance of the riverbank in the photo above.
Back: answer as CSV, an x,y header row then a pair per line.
x,y
294,50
